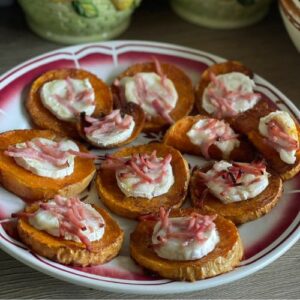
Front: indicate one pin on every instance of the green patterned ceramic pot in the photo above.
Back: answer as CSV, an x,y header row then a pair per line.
x,y
78,21
221,13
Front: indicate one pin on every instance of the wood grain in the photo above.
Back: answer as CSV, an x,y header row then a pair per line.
x,y
265,47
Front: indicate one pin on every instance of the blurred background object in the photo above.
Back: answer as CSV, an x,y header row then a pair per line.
x,y
290,12
4,3
222,14
78,21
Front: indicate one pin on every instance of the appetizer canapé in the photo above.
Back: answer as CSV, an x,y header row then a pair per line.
x,y
208,137
70,232
164,92
118,128
57,98
186,244
277,138
139,180
38,164
240,192
227,91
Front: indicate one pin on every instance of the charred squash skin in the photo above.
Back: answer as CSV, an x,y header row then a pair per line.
x,y
286,171
131,109
33,187
70,252
176,136
183,86
130,207
242,122
44,119
226,255
238,212
249,120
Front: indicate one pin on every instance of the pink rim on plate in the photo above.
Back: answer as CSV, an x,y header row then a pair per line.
x,y
264,239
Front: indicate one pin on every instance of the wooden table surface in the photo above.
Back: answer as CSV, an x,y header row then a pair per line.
x,y
265,47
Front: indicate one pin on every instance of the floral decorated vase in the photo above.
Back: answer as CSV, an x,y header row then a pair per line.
x,y
78,21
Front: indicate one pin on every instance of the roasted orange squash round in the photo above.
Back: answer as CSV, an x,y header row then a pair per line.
x,y
44,119
131,207
183,86
70,252
238,212
217,69
286,171
33,187
242,122
226,255
176,136
131,109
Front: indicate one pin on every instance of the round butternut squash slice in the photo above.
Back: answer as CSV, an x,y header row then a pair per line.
x,y
176,136
183,86
241,211
225,256
242,122
71,252
133,207
43,118
217,69
130,109
286,171
32,187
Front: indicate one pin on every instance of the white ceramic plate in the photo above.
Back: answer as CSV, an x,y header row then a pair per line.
x,y
264,240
